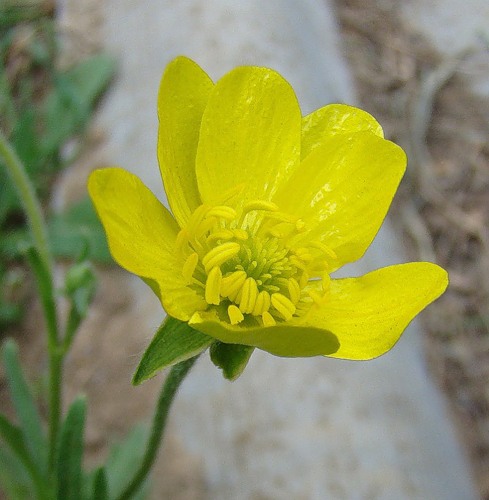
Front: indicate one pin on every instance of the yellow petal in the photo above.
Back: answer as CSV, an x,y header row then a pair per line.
x,y
141,234
335,119
250,135
369,314
343,191
183,95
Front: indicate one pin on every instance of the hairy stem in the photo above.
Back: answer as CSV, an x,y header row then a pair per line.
x,y
167,394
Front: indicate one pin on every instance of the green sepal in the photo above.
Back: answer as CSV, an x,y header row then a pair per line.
x,y
69,463
231,358
25,407
174,341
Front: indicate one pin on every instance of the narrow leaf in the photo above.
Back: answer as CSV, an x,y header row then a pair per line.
x,y
69,465
13,437
174,341
100,487
25,408
231,358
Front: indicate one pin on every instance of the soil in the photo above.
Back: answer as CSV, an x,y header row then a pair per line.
x,y
425,104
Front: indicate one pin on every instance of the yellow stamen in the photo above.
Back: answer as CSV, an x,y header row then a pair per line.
x,y
324,248
268,206
262,303
220,254
223,212
249,296
235,315
225,234
213,286
268,319
232,283
283,305
189,266
294,290
182,240
240,234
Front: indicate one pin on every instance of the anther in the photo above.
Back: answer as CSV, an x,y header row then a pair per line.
x,y
189,266
223,212
224,234
220,254
262,303
213,286
232,283
267,206
294,290
283,305
324,248
268,319
235,315
249,294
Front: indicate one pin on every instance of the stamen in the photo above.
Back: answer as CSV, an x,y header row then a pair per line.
x,y
267,206
235,315
223,212
225,234
262,303
294,290
232,283
220,254
249,296
181,240
213,286
189,266
324,248
283,305
240,234
268,319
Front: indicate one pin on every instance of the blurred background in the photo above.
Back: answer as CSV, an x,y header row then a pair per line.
x,y
78,86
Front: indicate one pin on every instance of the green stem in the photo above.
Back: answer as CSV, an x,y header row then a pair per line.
x,y
41,263
170,387
27,195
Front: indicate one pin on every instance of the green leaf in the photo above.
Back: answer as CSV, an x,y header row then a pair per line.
x,y
69,463
231,358
20,459
174,341
25,408
70,232
76,228
67,109
100,487
124,458
14,480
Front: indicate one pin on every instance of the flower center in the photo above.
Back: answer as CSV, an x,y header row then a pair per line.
x,y
253,265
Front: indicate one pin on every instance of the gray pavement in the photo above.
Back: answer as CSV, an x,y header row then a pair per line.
x,y
288,428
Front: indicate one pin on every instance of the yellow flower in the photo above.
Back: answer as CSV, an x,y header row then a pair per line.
x,y
265,205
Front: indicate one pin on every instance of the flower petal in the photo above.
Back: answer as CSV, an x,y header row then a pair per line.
x,y
250,135
183,95
343,190
335,119
141,234
284,339
368,314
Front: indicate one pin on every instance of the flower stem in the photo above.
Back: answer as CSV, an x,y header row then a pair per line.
x,y
41,263
27,195
168,391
